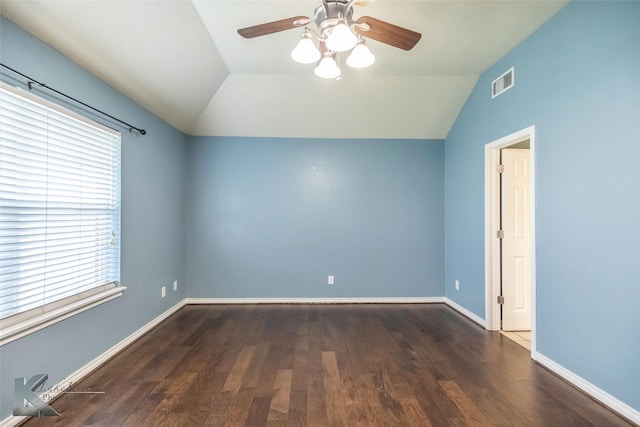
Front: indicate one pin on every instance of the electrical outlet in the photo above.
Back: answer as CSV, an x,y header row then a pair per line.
x,y
330,280
163,292
457,285
175,285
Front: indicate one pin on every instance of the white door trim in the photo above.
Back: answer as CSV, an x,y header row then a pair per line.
x,y
492,215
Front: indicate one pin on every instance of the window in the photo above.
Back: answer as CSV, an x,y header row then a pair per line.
x,y
59,213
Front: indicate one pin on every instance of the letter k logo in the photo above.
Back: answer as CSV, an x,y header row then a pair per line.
x,y
26,402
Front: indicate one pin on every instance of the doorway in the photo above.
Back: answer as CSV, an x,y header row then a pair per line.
x,y
515,226
510,234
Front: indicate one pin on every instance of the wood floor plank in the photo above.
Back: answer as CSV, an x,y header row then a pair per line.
x,y
473,415
141,413
279,409
367,405
234,380
316,402
120,409
326,365
414,412
237,414
216,408
297,409
300,363
268,372
336,396
258,412
252,375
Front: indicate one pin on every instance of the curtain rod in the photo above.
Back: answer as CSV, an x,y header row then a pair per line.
x,y
32,81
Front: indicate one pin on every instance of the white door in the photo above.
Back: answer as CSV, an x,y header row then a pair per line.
x,y
516,247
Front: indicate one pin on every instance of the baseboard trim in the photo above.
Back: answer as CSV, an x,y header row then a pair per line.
x,y
373,300
598,394
465,312
100,360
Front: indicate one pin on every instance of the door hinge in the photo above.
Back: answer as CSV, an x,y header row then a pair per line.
x,y
500,234
500,299
500,168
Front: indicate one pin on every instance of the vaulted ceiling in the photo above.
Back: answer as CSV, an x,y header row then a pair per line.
x,y
184,61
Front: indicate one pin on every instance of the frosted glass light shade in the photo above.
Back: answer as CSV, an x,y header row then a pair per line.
x,y
305,52
327,68
360,57
341,38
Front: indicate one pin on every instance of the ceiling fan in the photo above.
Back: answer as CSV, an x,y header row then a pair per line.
x,y
337,31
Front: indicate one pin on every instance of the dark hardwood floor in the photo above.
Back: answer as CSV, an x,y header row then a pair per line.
x,y
325,365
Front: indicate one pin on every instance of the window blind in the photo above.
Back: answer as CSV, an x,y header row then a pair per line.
x,y
59,206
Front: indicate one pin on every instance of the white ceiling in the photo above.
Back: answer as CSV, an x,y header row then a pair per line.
x,y
184,61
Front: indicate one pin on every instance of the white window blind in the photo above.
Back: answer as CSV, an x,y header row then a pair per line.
x,y
59,206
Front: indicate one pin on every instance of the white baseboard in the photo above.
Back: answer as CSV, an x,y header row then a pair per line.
x,y
12,421
373,300
98,361
600,395
471,315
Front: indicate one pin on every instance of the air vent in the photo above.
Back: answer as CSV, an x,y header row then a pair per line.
x,y
502,83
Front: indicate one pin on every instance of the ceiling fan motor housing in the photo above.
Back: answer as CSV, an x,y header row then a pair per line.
x,y
329,17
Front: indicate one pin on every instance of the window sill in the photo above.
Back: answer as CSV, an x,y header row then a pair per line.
x,y
33,324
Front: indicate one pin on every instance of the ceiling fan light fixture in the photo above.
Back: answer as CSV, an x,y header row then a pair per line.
x,y
360,56
341,38
305,52
327,68
338,31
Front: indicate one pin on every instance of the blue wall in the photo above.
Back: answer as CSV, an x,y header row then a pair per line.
x,y
275,217
577,79
153,179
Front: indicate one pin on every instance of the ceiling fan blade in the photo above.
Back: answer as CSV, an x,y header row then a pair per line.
x,y
273,27
387,33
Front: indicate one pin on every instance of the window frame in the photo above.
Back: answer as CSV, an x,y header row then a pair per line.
x,y
18,325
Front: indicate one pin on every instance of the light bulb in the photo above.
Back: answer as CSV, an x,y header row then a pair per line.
x,y
327,68
341,38
305,52
360,56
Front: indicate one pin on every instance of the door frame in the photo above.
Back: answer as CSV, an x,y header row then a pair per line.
x,y
492,224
